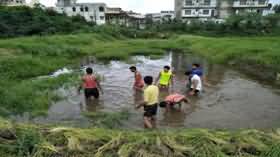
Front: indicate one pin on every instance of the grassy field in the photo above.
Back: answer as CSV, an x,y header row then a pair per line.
x,y
45,141
23,59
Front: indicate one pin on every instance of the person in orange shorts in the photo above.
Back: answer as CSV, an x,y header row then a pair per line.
x,y
172,100
139,82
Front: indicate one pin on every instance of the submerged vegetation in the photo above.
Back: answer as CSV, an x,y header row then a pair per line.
x,y
42,141
23,59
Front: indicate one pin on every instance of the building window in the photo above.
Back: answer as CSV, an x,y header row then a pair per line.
x,y
101,9
243,2
74,9
102,17
82,9
188,2
188,12
206,12
262,2
207,2
86,9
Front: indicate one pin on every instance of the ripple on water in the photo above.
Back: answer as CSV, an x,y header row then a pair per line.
x,y
233,100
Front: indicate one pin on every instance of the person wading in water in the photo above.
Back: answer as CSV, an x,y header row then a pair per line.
x,y
165,78
90,85
139,82
150,103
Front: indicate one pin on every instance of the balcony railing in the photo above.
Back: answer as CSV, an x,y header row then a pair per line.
x,y
241,4
200,5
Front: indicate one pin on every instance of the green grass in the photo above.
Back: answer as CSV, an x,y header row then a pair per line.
x,y
107,120
45,141
23,59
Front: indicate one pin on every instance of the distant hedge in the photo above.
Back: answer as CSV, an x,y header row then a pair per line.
x,y
26,21
244,25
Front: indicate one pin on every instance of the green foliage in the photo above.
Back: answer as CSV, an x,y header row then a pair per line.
x,y
36,96
276,8
22,21
108,120
237,25
23,59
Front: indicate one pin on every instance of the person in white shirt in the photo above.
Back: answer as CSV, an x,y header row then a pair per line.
x,y
196,83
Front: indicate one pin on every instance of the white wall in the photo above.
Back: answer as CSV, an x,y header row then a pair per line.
x,y
197,13
92,15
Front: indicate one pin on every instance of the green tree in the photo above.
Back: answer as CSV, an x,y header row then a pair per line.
x,y
276,8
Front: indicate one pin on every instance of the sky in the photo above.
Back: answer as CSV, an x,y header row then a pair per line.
x,y
141,6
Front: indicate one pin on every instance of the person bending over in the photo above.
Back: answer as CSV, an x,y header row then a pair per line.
x,y
150,103
172,100
139,82
196,83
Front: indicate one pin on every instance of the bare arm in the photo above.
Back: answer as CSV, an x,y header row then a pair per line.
x,y
81,85
171,80
141,105
156,82
99,86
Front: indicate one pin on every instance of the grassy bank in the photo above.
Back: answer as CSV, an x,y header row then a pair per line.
x,y
23,59
47,141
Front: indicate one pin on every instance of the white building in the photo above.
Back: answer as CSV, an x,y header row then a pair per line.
x,y
162,16
202,9
92,12
13,2
218,9
258,6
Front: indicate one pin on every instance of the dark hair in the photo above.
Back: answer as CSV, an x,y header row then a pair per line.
x,y
188,73
167,67
89,70
132,68
148,80
196,65
162,104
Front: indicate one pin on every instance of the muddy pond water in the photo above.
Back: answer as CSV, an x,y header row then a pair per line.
x,y
233,101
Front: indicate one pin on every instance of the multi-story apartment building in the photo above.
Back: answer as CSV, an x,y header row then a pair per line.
x,y
92,12
241,6
12,2
217,9
203,9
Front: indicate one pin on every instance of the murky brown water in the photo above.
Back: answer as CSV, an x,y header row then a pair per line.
x,y
233,100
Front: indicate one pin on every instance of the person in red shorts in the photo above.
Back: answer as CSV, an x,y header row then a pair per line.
x,y
172,100
90,85
139,82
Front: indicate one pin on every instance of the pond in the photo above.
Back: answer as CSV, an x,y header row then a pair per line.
x,y
232,101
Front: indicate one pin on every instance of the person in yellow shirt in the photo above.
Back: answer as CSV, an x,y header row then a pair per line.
x,y
165,78
150,103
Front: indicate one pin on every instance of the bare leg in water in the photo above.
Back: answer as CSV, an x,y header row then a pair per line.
x,y
147,122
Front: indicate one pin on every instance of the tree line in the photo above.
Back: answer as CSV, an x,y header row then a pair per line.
x,y
26,21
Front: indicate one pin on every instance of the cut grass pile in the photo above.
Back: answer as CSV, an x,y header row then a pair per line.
x,y
45,141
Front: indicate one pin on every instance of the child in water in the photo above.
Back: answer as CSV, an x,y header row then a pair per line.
x,y
139,82
90,85
150,103
172,100
165,77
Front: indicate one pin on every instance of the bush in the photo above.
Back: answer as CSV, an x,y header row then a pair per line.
x,y
24,21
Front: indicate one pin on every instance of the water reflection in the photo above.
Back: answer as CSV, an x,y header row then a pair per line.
x,y
233,100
